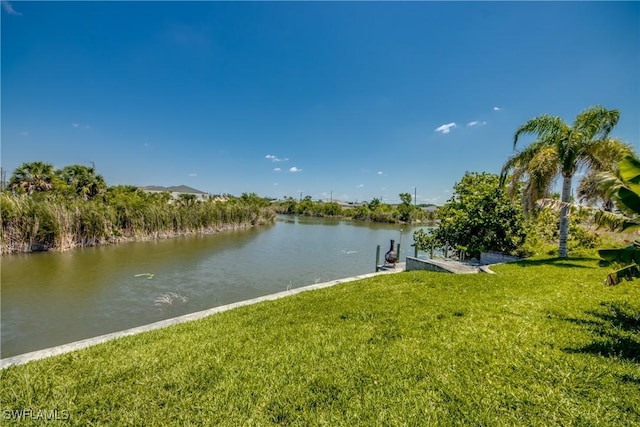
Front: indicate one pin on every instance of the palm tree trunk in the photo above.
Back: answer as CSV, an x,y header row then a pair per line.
x,y
564,216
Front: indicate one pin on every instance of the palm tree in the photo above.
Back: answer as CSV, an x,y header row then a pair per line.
x,y
32,177
560,149
83,181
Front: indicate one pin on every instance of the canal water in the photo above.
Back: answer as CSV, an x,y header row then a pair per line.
x,y
48,299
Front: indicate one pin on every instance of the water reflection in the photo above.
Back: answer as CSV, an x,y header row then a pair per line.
x,y
55,298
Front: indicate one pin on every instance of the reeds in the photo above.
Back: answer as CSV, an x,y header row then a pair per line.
x,y
57,223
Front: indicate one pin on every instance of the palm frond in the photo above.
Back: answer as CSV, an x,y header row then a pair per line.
x,y
524,156
604,154
615,221
542,170
545,127
537,165
596,122
600,186
557,205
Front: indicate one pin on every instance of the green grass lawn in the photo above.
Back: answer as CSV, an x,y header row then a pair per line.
x,y
540,343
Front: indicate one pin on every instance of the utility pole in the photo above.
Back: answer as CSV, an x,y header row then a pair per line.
x,y
300,194
415,196
331,200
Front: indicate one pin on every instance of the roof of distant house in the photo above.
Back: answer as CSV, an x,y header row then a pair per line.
x,y
174,189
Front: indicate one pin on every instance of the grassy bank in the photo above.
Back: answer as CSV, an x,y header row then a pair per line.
x,y
540,343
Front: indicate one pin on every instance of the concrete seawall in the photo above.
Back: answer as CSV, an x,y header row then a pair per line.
x,y
440,265
78,345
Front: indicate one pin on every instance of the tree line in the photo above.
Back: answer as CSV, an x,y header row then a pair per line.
x,y
373,211
44,208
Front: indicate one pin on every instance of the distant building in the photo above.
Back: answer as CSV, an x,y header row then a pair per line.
x,y
177,191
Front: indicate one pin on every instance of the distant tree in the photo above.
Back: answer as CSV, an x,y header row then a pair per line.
x,y
33,177
332,209
254,199
288,206
82,181
405,209
405,198
373,204
305,207
480,217
129,195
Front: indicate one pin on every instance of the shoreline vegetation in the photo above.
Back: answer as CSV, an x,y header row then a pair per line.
x,y
48,209
43,208
50,222
373,211
31,224
540,342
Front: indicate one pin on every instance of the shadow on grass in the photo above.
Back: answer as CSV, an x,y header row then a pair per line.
x,y
572,262
616,331
630,379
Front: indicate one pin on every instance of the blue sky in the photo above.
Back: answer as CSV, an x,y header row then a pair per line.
x,y
350,100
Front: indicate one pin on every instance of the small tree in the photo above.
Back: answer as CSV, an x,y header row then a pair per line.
x,y
480,217
332,209
425,241
373,205
405,209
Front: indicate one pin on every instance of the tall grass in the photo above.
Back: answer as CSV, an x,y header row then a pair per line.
x,y
57,223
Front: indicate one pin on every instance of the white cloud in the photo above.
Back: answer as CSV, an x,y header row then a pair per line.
x,y
497,108
9,9
476,123
446,128
379,173
193,174
277,170
75,125
275,159
295,170
359,185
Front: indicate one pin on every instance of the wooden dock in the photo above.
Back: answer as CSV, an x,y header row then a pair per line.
x,y
391,268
